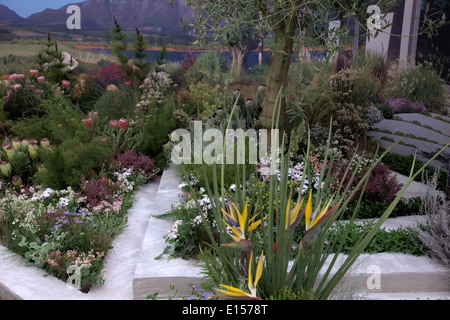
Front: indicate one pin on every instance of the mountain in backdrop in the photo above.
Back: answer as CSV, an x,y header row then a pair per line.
x,y
144,14
8,16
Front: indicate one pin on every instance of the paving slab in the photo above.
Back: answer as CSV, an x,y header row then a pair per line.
x,y
424,150
435,124
157,275
410,128
415,189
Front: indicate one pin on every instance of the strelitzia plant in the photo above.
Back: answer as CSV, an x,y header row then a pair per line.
x,y
226,265
236,293
238,224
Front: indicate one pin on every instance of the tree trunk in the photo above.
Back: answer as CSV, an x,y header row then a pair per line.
x,y
237,60
280,60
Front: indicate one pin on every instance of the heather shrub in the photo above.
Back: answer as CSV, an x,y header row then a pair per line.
x,y
112,74
405,105
132,160
99,190
382,185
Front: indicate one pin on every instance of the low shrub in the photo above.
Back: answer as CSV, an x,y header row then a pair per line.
x,y
24,95
209,67
402,240
373,115
67,163
436,232
419,83
386,110
139,163
120,103
382,185
405,105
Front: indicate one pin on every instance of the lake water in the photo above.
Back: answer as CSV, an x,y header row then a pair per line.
x,y
174,56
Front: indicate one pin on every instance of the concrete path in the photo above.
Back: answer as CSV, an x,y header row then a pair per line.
x,y
426,141
133,272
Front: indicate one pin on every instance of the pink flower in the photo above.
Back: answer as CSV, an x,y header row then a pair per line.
x,y
65,84
41,79
89,123
16,86
123,124
39,91
34,72
8,95
114,123
95,115
16,76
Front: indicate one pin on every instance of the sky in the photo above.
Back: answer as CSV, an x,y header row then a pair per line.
x,y
25,8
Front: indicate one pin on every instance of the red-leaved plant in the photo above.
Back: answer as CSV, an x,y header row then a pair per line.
x,y
98,190
138,162
382,185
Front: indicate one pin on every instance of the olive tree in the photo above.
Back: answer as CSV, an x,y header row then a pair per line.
x,y
292,24
229,25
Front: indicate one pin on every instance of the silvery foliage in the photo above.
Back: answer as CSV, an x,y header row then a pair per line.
x,y
373,115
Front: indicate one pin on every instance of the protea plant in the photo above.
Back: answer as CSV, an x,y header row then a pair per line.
x,y
5,167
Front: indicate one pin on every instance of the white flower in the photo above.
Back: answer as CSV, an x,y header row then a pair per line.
x,y
47,193
63,202
182,185
173,232
198,220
